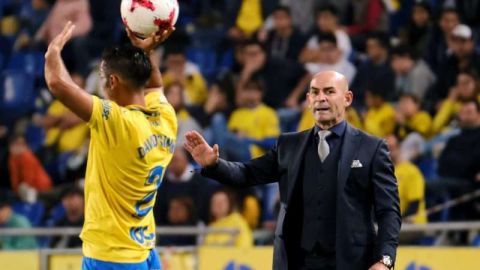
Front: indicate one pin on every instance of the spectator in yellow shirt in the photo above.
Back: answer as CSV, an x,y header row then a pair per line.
x,y
379,119
466,88
224,215
411,185
410,118
178,69
252,128
412,127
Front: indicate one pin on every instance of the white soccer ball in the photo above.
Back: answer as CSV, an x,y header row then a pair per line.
x,y
145,17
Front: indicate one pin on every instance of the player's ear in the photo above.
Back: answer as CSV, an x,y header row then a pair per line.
x,y
113,81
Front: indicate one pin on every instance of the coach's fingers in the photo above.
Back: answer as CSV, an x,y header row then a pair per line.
x,y
198,138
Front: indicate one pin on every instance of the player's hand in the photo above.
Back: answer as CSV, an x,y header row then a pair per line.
x,y
53,60
150,43
57,44
202,153
378,266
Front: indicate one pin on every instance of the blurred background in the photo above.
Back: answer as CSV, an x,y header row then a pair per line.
x,y
237,71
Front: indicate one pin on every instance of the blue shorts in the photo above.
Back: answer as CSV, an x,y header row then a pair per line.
x,y
151,263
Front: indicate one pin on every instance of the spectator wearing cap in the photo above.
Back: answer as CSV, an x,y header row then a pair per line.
x,y
9,219
379,119
375,70
412,75
327,21
418,31
330,58
463,57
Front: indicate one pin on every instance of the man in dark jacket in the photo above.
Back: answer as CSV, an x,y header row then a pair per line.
x,y
331,177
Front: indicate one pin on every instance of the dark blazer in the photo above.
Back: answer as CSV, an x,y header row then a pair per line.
x,y
361,191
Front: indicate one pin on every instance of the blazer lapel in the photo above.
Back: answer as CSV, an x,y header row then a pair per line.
x,y
297,158
351,144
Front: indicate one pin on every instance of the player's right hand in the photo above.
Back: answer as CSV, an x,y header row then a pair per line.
x,y
202,153
150,43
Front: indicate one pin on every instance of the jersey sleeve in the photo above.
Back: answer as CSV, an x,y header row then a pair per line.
x,y
107,121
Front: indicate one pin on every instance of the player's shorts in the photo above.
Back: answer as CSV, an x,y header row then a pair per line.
x,y
151,263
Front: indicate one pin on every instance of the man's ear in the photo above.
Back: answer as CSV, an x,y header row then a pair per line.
x,y
349,97
113,81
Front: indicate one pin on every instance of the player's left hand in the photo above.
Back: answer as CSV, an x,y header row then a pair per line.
x,y
378,266
150,43
57,44
53,60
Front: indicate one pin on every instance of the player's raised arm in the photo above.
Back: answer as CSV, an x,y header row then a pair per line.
x,y
148,45
60,82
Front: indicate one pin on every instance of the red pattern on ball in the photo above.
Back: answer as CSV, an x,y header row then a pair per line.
x,y
143,3
165,24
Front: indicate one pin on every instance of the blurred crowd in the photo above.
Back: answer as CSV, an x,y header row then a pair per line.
x,y
238,71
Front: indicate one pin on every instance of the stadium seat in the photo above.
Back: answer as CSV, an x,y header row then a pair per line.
x,y
33,211
17,95
56,214
6,45
29,62
35,136
206,59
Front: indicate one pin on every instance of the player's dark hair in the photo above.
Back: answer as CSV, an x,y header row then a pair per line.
x,y
129,62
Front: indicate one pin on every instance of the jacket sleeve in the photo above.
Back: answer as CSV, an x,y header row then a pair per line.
x,y
257,171
386,203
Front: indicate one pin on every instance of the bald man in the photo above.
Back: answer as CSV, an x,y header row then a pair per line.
x,y
334,181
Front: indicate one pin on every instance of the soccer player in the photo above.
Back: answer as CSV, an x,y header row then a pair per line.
x,y
133,134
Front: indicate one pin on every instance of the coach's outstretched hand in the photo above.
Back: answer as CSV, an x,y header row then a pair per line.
x,y
150,43
202,153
